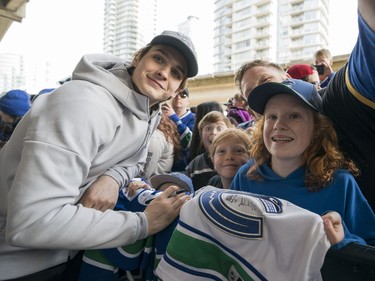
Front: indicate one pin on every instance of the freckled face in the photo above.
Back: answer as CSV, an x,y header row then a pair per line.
x,y
159,73
288,128
230,154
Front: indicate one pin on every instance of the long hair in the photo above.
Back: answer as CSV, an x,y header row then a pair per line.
x,y
196,147
322,157
169,129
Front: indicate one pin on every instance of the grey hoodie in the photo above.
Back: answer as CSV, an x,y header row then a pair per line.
x,y
93,125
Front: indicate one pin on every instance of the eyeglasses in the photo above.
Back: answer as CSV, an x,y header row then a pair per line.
x,y
183,95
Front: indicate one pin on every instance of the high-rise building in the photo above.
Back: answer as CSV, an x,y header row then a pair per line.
x,y
198,32
12,74
19,72
277,30
128,26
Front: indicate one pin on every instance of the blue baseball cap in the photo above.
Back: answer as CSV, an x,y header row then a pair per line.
x,y
305,91
15,103
176,178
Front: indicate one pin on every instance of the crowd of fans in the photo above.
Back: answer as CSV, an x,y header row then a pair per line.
x,y
94,173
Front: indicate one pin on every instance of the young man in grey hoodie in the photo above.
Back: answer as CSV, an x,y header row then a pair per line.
x,y
61,171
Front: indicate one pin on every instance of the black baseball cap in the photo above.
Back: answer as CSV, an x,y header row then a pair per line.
x,y
305,91
182,43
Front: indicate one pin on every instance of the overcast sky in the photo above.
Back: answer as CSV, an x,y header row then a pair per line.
x,y
61,31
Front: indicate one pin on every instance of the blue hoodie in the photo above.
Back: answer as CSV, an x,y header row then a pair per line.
x,y
342,195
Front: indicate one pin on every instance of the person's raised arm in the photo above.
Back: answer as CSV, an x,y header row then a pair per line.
x,y
361,65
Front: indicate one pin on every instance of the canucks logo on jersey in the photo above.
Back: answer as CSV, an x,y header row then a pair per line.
x,y
238,214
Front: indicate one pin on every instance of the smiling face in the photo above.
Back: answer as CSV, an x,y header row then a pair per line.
x,y
288,130
230,154
159,73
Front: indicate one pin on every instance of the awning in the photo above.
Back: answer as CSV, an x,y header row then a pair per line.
x,y
10,11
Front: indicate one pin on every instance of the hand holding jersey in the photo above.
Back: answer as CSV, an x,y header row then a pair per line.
x,y
143,254
233,235
135,184
333,227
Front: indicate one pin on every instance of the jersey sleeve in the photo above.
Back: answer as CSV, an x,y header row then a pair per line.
x,y
361,65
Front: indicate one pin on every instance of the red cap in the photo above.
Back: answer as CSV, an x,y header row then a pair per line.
x,y
299,71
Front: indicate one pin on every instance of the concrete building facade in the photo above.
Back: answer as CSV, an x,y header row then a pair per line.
x,y
277,30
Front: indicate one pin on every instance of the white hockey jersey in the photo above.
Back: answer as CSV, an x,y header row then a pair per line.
x,y
234,235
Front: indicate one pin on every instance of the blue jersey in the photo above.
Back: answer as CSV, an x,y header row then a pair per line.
x,y
104,265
